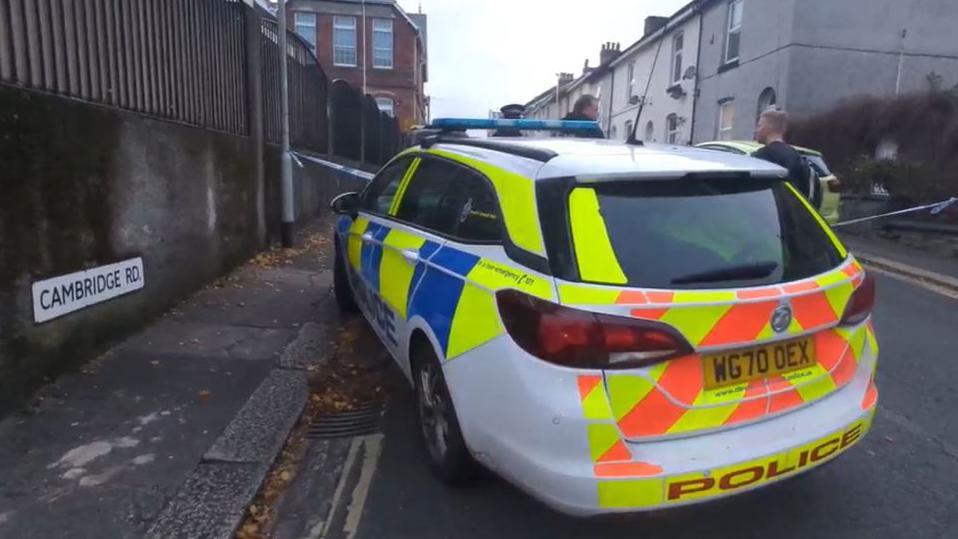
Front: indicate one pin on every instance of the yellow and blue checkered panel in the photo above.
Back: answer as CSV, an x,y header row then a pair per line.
x,y
453,292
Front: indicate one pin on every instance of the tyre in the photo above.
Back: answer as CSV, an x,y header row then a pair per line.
x,y
345,299
445,448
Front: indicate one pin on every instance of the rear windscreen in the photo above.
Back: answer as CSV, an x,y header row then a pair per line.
x,y
696,233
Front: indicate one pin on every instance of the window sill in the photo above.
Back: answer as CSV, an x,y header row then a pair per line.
x,y
383,68
728,66
343,65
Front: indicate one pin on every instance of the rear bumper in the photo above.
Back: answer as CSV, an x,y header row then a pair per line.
x,y
523,418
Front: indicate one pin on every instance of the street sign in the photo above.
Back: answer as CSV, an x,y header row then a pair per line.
x,y
65,294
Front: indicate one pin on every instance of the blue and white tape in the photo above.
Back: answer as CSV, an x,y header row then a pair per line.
x,y
362,174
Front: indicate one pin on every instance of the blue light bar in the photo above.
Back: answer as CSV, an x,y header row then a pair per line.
x,y
461,124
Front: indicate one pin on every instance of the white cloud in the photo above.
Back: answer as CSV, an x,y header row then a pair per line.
x,y
486,53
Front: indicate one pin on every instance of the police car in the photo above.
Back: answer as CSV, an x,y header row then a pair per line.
x,y
611,327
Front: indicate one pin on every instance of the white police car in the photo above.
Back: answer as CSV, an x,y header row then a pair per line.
x,y
611,327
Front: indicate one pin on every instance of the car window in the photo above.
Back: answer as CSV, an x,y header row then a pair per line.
x,y
707,233
819,164
431,199
379,196
479,213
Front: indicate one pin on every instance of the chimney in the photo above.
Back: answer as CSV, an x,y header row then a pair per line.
x,y
610,51
565,78
654,23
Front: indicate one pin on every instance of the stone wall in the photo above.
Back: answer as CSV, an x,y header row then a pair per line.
x,y
83,186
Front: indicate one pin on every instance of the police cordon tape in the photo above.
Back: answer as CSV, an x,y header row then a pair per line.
x,y
935,208
335,166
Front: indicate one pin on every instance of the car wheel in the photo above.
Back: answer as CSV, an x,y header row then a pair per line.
x,y
448,456
345,299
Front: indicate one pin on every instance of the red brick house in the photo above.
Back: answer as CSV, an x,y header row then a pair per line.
x,y
371,43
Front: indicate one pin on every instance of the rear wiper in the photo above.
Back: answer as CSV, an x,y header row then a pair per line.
x,y
733,273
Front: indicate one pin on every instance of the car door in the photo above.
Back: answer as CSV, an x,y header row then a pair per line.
x,y
454,298
362,238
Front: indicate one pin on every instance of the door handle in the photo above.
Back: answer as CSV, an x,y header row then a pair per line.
x,y
411,255
368,236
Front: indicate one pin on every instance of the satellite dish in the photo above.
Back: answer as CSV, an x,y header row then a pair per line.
x,y
689,73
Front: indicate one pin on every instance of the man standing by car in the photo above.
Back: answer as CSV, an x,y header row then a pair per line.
x,y
770,131
586,109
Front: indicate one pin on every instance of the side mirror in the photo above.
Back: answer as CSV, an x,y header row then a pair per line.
x,y
346,204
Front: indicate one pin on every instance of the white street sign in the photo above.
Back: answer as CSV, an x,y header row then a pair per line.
x,y
67,293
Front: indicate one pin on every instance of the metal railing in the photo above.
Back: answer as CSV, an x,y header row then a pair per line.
x,y
177,59
181,60
307,91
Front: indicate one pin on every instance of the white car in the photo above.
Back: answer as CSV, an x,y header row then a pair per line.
x,y
611,327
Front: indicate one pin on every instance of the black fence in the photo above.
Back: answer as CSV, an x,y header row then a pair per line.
x,y
186,61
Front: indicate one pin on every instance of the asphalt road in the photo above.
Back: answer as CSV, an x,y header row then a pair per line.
x,y
899,482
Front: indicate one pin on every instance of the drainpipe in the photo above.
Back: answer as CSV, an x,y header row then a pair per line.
x,y
901,60
287,231
695,81
608,118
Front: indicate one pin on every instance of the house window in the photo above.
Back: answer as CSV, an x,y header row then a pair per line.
x,y
305,24
386,105
766,101
649,132
383,43
734,36
344,41
726,120
630,91
672,125
677,43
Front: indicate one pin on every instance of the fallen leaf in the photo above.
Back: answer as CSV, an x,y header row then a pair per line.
x,y
285,476
155,363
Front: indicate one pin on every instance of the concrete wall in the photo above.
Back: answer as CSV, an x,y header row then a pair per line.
x,y
814,53
856,45
83,186
766,30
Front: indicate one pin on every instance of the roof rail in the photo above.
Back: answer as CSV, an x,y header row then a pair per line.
x,y
520,150
462,124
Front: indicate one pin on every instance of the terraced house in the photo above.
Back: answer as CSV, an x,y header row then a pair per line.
x,y
708,70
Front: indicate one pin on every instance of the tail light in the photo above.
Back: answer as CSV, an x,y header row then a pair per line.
x,y
582,339
861,303
834,186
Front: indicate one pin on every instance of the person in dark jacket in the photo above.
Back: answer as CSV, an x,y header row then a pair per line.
x,y
770,131
586,109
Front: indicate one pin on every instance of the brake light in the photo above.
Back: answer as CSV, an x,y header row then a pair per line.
x,y
834,186
861,303
582,339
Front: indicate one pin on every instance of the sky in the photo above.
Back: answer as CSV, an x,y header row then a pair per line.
x,y
486,53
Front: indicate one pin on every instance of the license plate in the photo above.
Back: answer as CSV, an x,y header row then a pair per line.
x,y
747,364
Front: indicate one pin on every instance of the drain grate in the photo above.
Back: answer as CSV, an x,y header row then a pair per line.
x,y
363,419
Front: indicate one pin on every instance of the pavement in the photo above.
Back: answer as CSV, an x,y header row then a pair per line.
x,y
171,431
914,260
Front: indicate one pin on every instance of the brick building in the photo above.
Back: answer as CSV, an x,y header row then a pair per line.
x,y
372,44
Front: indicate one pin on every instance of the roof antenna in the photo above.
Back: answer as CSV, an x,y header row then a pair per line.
x,y
648,82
